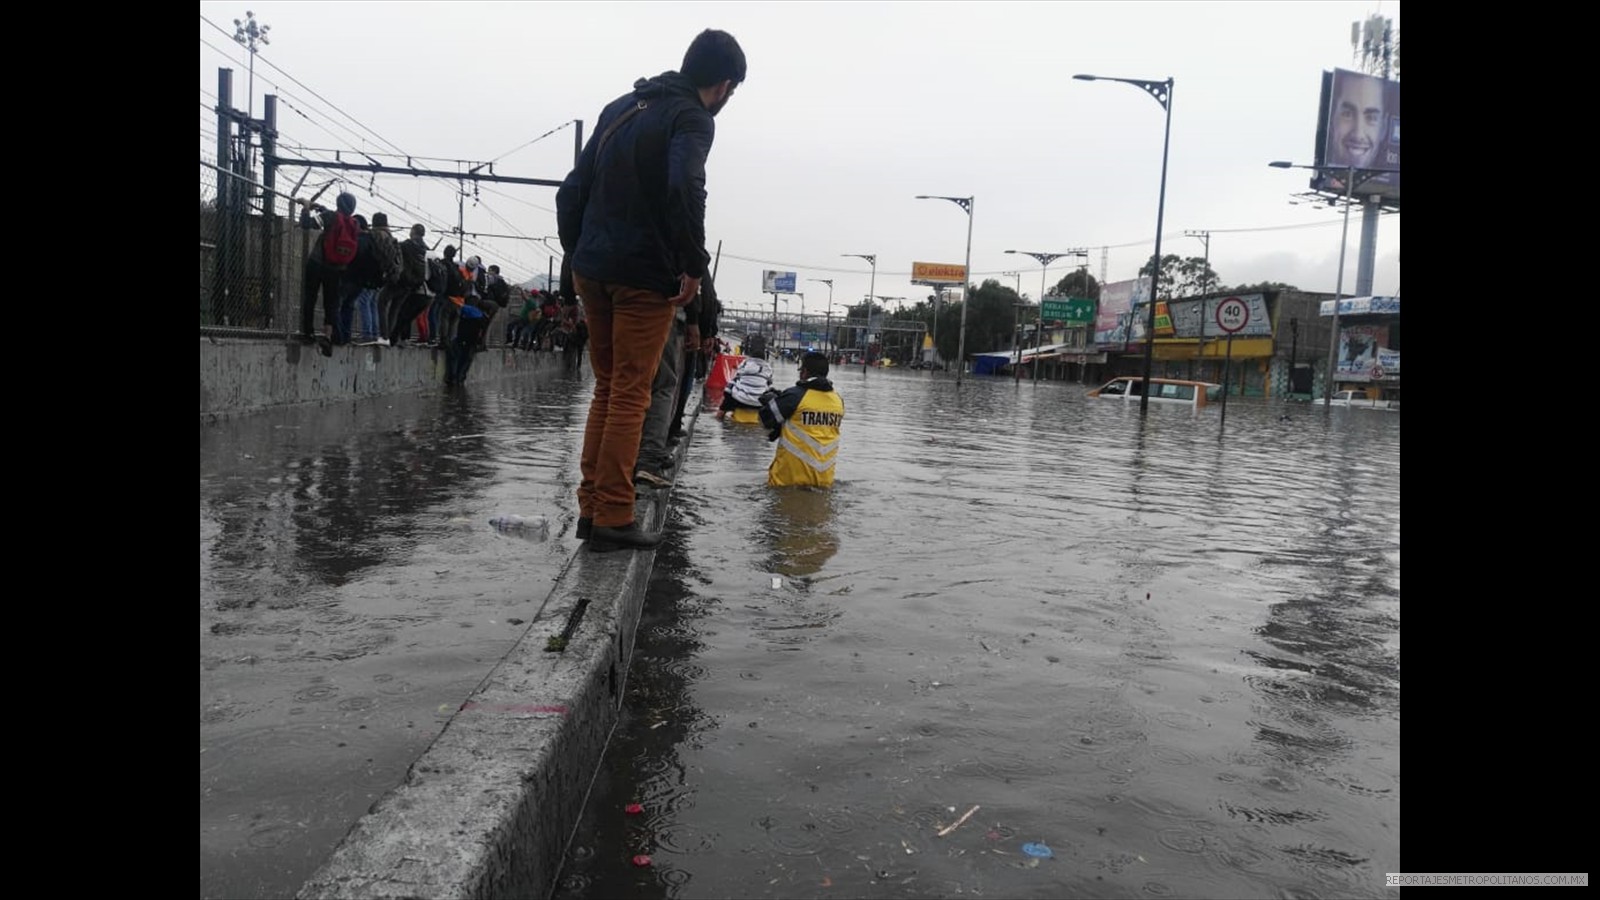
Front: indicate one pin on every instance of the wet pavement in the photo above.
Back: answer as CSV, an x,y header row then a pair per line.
x,y
1030,646
352,595
1171,658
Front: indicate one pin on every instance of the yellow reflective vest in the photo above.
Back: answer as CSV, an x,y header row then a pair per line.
x,y
808,444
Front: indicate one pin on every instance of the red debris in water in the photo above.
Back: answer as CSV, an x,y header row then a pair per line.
x,y
641,860
633,809
993,835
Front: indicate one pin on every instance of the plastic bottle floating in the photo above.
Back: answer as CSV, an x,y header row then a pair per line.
x,y
533,528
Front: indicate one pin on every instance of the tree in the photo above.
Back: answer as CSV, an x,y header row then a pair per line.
x,y
1260,288
1182,277
856,313
1073,285
989,319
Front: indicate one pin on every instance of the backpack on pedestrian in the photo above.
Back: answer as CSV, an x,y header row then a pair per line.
x,y
388,254
340,242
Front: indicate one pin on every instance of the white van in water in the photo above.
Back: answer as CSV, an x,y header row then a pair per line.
x,y
1162,390
1360,400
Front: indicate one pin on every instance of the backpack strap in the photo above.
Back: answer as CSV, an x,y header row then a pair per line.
x,y
606,136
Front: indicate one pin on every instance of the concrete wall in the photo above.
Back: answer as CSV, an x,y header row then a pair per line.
x,y
241,375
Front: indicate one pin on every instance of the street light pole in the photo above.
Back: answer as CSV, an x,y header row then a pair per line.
x,y
1045,259
1085,254
248,34
882,337
1016,322
1205,238
832,344
1338,289
966,203
1162,92
872,288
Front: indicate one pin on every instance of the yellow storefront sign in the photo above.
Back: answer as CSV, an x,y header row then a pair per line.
x,y
1164,321
1187,348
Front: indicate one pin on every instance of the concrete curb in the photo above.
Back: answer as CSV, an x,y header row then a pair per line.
x,y
487,810
240,375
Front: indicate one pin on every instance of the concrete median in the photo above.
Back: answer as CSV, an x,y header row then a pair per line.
x,y
488,808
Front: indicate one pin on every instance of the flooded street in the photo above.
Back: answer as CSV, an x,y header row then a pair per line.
x,y
1147,660
352,595
1157,662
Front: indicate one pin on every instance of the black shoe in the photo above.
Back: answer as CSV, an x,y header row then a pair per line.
x,y
585,526
628,537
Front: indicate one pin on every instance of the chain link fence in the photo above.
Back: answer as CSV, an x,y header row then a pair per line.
x,y
252,261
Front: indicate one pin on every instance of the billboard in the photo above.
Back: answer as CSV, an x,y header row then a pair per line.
x,y
777,282
1362,306
1189,317
1363,356
938,273
1359,125
1113,323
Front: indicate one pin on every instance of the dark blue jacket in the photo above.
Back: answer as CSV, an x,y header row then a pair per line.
x,y
637,215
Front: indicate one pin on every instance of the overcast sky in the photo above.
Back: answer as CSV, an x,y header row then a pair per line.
x,y
849,111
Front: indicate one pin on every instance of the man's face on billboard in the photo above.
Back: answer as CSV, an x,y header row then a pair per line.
x,y
1357,122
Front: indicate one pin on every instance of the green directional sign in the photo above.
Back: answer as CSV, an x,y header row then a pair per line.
x,y
1071,310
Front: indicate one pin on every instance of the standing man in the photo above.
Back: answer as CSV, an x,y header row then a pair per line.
x,y
387,250
414,283
331,253
631,216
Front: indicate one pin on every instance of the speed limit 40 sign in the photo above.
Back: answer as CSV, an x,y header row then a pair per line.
x,y
1233,314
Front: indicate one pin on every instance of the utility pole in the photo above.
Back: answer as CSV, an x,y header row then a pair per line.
x,y
872,288
1205,238
832,344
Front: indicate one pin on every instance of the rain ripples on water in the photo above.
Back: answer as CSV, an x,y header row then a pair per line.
x,y
1168,654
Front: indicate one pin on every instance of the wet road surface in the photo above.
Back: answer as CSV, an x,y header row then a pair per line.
x,y
1158,660
352,595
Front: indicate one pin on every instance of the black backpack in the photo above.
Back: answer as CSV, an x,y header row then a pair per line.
x,y
499,292
436,276
455,284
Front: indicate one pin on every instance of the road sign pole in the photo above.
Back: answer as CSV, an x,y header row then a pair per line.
x,y
1227,369
1233,314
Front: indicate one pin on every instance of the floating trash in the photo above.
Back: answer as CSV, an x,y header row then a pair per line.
x,y
535,528
1040,851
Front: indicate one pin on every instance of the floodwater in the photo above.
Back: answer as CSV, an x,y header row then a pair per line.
x,y
1149,658
1168,655
352,595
